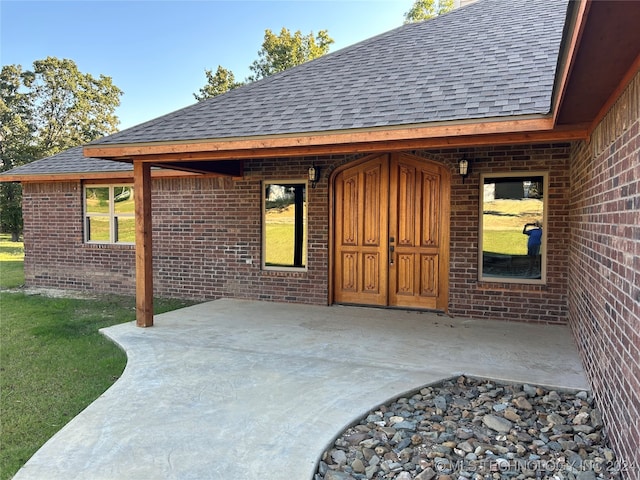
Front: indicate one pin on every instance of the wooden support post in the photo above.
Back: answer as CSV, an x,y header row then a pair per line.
x,y
144,244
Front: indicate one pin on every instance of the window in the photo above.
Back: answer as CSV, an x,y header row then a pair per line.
x,y
109,212
513,234
284,223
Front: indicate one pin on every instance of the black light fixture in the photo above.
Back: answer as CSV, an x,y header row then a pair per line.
x,y
314,175
464,168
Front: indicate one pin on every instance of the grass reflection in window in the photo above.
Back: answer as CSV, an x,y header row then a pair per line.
x,y
285,225
512,240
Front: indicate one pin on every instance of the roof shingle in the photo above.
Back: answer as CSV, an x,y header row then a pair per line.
x,y
69,161
493,58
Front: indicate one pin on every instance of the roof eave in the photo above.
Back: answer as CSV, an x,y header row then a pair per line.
x,y
121,175
522,129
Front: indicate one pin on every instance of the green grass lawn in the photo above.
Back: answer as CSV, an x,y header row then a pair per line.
x,y
11,262
506,242
503,221
53,360
279,244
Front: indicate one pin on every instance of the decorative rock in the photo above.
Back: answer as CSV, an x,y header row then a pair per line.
x,y
466,447
582,395
440,402
573,459
371,470
555,419
586,475
596,418
427,474
581,418
583,429
358,466
498,424
608,455
405,426
337,475
368,454
522,403
395,419
552,399
355,439
369,443
511,415
339,457
472,424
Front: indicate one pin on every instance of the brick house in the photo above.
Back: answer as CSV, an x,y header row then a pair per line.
x,y
540,100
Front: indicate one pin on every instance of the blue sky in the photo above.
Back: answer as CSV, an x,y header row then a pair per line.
x,y
157,51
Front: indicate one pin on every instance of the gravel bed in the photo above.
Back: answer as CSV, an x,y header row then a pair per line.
x,y
466,428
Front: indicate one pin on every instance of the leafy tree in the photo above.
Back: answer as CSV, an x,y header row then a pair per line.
x,y
44,111
70,108
16,148
278,53
220,82
426,9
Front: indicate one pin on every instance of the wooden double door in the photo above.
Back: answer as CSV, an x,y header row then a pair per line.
x,y
391,233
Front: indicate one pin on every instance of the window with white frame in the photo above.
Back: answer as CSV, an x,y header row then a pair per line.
x,y
109,214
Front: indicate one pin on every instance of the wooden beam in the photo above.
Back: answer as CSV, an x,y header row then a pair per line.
x,y
564,134
144,244
448,133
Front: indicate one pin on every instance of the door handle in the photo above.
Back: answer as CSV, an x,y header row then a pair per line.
x,y
391,250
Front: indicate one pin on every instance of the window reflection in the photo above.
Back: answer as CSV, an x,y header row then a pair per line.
x,y
109,214
284,220
513,218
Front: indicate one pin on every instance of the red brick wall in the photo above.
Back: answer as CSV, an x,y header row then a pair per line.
x,y
470,297
207,238
55,255
604,287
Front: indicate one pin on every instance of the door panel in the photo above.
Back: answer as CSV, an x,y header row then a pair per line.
x,y
391,233
416,220
360,272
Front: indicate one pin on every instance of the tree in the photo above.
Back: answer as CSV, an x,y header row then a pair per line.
x,y
281,52
426,9
278,53
70,108
44,111
16,148
223,81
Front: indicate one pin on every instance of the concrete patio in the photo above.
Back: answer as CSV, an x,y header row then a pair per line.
x,y
253,390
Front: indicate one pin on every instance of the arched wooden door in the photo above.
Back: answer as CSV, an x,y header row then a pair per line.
x,y
391,233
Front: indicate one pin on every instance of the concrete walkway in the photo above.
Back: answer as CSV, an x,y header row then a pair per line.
x,y
253,390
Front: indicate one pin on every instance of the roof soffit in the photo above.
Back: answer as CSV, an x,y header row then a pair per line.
x,y
607,52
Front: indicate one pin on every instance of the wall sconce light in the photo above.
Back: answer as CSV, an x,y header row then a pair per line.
x,y
314,175
464,168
